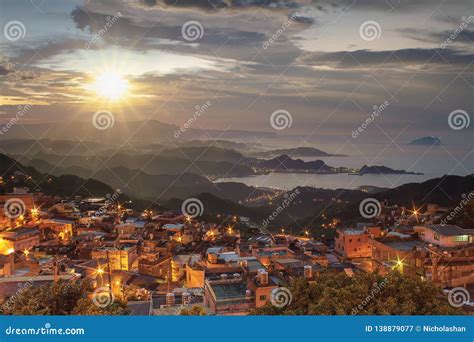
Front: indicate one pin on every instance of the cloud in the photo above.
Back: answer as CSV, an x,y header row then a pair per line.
x,y
389,58
5,66
213,5
458,35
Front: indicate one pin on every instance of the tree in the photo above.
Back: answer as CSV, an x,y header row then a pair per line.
x,y
60,298
194,311
465,218
363,294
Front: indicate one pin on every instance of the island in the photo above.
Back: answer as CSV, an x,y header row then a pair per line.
x,y
426,141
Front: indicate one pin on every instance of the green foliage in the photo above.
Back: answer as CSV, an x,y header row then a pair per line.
x,y
363,294
59,299
194,311
465,218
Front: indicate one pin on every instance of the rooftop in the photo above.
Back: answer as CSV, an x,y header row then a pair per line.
x,y
404,245
19,232
229,290
450,230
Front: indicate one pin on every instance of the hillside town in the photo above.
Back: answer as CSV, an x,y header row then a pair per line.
x,y
161,263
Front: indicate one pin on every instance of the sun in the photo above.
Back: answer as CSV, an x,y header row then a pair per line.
x,y
110,85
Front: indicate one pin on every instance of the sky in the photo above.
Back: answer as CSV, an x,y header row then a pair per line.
x,y
326,64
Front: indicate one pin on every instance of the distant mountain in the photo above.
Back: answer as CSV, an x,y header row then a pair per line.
x,y
139,184
225,144
383,170
311,207
212,162
17,175
215,205
61,147
371,189
447,191
285,163
294,152
120,132
426,141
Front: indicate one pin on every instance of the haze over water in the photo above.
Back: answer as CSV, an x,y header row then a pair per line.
x,y
433,162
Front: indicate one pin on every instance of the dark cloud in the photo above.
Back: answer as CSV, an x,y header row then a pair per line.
x,y
4,70
388,5
211,5
398,58
5,66
457,35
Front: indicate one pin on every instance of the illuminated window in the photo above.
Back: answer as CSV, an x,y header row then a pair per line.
x,y
461,238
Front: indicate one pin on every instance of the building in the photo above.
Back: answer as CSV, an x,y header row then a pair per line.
x,y
450,267
354,243
228,294
266,256
401,252
159,267
18,239
445,235
21,204
120,258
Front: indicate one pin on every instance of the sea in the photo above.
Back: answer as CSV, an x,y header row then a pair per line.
x,y
432,161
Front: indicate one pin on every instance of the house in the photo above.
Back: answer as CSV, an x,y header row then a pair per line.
x,y
401,252
354,243
18,239
121,257
445,235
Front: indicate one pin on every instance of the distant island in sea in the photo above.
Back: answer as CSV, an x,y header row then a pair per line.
x,y
426,141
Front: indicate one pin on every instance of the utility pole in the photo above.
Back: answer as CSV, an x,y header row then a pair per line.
x,y
109,273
